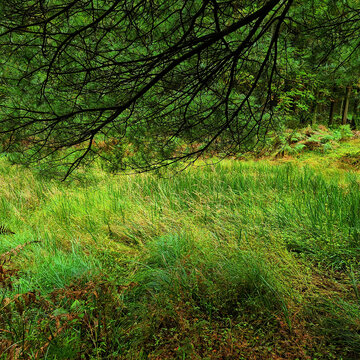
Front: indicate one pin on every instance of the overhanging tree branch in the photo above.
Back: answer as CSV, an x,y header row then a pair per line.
x,y
160,72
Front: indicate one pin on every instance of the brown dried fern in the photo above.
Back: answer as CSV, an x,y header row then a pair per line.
x,y
6,257
7,274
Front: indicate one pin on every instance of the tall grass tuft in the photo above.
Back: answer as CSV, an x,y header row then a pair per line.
x,y
178,275
218,280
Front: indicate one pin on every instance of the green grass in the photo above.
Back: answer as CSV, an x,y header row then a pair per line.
x,y
253,260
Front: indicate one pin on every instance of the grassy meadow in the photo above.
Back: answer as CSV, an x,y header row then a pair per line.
x,y
238,260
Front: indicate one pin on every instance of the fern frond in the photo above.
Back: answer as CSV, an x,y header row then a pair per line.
x,y
5,231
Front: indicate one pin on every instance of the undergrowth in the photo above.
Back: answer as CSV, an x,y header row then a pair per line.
x,y
240,260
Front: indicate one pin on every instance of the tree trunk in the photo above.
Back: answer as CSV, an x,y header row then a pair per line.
x,y
354,121
341,106
331,115
346,105
313,120
314,110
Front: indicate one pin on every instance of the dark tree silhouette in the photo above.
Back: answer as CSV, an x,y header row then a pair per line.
x,y
151,74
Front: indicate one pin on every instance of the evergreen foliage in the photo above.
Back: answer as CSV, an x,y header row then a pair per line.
x,y
155,75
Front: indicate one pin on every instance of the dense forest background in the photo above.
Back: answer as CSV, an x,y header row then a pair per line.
x,y
168,81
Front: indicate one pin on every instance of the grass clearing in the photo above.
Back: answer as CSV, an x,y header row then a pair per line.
x,y
253,260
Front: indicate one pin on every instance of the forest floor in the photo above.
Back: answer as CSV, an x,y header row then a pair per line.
x,y
255,259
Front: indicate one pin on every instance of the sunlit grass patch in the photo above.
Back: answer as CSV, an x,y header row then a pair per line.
x,y
222,251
